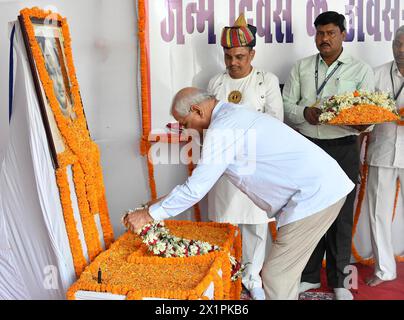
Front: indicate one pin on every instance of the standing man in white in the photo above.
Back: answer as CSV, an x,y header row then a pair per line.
x,y
386,165
241,83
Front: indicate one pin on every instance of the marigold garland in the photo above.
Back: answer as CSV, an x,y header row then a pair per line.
x,y
358,108
143,70
81,151
398,185
79,260
108,231
150,169
89,228
363,114
145,144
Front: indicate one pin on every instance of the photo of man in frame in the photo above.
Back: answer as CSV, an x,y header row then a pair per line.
x,y
51,48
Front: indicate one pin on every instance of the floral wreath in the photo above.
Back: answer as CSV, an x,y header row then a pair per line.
x,y
377,107
158,239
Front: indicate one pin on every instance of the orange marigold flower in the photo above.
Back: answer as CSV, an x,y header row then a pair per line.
x,y
81,152
128,269
363,114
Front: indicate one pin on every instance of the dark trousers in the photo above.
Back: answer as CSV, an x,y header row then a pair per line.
x,y
337,241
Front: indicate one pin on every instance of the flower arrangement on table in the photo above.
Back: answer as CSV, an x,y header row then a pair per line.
x,y
359,108
131,270
162,243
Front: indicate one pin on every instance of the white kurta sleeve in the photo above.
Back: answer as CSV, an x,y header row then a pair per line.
x,y
273,97
218,152
213,85
294,113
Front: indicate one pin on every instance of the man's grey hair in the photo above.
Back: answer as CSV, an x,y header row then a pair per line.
x,y
399,32
182,105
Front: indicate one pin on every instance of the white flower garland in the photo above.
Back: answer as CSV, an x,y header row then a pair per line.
x,y
161,243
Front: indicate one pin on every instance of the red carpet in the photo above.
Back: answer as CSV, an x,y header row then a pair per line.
x,y
390,290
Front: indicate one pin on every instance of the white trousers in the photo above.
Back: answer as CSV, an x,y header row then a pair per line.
x,y
254,242
380,195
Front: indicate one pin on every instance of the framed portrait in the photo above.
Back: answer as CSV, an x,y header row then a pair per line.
x,y
50,41
75,156
50,49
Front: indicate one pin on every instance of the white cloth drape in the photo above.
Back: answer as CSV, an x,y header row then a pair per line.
x,y
35,257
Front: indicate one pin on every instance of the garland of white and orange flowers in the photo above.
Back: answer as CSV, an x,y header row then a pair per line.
x,y
162,243
335,104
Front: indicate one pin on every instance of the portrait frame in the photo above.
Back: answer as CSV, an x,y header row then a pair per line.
x,y
47,43
77,165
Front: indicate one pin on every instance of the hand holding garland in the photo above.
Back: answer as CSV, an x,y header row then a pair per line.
x,y
159,240
137,219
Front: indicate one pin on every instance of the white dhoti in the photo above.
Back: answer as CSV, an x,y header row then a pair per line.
x,y
226,203
380,197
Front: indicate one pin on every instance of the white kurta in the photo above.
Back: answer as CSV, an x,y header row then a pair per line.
x,y
260,91
386,160
386,144
270,173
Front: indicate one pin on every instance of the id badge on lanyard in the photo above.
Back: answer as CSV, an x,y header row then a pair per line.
x,y
319,89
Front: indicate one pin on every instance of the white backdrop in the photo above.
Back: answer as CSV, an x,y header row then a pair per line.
x,y
189,31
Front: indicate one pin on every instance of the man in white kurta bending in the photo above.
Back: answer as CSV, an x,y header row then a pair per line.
x,y
386,165
243,84
262,157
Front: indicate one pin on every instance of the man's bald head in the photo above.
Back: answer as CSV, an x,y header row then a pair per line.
x,y
192,108
187,97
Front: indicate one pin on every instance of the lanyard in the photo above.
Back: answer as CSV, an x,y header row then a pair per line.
x,y
392,83
318,90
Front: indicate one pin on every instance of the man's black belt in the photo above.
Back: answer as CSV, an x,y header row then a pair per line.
x,y
335,142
